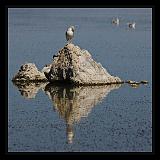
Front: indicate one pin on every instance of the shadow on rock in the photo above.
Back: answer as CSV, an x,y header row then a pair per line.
x,y
73,103
29,90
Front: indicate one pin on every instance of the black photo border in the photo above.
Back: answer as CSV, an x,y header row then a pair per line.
x,y
5,4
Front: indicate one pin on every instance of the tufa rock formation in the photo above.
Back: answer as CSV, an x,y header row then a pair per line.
x,y
29,73
71,65
76,65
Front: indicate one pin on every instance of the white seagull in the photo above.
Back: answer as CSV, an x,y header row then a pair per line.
x,y
115,21
70,33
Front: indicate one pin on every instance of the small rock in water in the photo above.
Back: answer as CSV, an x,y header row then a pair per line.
x,y
144,82
29,72
132,82
129,81
135,84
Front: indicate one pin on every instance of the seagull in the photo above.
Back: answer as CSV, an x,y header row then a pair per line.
x,y
132,25
70,33
115,21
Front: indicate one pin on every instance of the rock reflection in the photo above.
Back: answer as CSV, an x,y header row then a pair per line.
x,y
29,90
73,103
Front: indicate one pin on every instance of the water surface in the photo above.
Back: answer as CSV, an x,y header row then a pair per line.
x,y
111,118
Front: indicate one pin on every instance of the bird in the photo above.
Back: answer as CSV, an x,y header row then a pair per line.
x,y
115,21
132,25
70,33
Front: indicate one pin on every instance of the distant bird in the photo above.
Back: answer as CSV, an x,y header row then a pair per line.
x,y
70,33
132,25
115,21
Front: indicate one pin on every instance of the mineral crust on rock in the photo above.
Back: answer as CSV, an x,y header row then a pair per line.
x,y
73,64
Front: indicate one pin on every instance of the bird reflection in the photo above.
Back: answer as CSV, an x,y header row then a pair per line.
x,y
74,103
70,133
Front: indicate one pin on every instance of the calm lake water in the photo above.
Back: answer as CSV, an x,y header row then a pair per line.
x,y
114,118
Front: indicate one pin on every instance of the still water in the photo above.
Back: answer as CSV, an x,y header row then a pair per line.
x,y
113,118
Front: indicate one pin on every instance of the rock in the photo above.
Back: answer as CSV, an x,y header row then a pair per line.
x,y
135,84
132,82
144,82
76,65
71,65
29,72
